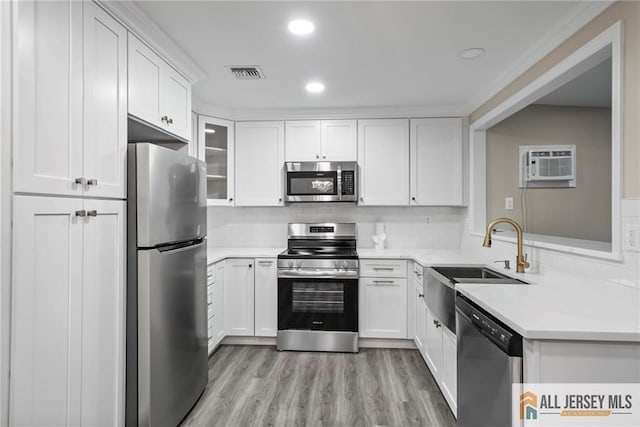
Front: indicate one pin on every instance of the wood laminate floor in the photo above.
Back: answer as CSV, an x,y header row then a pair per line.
x,y
259,386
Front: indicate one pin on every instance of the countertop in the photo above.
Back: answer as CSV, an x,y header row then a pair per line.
x,y
546,309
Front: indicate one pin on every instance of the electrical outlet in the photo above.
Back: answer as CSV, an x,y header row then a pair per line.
x,y
428,220
508,203
631,237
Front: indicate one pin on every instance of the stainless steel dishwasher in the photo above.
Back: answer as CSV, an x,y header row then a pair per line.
x,y
489,362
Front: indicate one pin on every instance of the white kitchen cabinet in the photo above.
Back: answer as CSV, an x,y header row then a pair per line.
x,y
323,140
383,299
383,157
266,297
239,297
448,378
259,162
68,312
158,94
70,100
421,320
216,148
436,162
414,283
433,345
218,303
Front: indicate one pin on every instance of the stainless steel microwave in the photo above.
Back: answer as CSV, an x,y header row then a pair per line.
x,y
321,181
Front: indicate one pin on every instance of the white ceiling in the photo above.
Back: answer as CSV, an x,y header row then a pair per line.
x,y
590,89
369,54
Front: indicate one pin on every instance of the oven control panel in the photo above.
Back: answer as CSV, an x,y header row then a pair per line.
x,y
348,183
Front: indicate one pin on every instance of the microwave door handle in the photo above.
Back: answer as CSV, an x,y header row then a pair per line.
x,y
339,179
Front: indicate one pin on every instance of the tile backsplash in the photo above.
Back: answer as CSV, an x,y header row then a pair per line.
x,y
406,227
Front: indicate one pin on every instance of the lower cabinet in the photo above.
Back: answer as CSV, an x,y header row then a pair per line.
x,y
449,377
433,344
215,306
266,297
68,312
421,319
383,299
239,297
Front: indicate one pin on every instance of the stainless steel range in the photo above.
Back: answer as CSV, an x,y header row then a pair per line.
x,y
318,289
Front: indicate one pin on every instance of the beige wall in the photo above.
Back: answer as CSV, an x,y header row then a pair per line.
x,y
629,13
583,212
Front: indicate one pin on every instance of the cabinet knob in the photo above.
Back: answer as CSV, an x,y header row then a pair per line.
x,y
164,119
279,199
413,198
92,182
420,295
231,199
324,156
250,265
169,121
362,199
317,156
82,213
92,213
81,181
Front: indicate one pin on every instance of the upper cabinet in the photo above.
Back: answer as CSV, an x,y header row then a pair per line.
x,y
216,148
70,100
383,157
436,162
321,140
259,161
158,94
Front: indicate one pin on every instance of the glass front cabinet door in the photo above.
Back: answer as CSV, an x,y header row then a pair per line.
x,y
215,146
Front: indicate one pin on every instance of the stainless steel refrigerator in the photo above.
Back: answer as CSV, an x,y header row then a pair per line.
x,y
166,285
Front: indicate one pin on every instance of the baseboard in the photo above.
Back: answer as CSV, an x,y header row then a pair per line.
x,y
362,342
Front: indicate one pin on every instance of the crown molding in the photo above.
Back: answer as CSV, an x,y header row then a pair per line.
x,y
137,22
332,113
583,14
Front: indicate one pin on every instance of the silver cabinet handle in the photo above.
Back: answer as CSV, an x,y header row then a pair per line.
x,y
81,181
384,281
382,268
420,295
265,262
81,213
92,182
92,213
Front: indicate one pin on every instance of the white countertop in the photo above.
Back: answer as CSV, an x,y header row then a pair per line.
x,y
545,309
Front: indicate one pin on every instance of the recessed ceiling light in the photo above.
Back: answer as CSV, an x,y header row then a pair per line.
x,y
301,27
473,53
314,87
207,130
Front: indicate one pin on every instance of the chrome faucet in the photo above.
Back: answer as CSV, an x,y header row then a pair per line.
x,y
521,261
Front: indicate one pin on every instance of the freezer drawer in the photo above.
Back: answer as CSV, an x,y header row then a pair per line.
x,y
169,194
172,332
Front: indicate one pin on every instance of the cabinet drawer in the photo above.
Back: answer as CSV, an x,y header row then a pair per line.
x,y
211,277
383,268
416,273
210,312
210,297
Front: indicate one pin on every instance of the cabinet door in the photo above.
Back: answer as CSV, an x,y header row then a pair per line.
x,y
105,103
421,320
302,141
103,313
383,156
259,159
175,102
145,79
339,140
436,162
412,285
266,297
216,147
433,345
218,303
46,311
448,381
47,153
238,297
383,308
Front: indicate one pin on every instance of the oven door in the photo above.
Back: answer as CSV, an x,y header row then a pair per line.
x,y
312,186
318,303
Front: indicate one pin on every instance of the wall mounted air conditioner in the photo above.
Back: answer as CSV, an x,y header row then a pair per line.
x,y
548,166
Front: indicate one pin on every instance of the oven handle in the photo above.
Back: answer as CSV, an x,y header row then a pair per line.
x,y
316,274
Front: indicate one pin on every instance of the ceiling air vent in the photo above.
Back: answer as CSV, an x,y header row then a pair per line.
x,y
246,72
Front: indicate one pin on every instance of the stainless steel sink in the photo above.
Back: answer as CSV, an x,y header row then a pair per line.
x,y
475,274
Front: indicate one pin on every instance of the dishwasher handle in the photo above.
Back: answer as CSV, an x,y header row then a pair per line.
x,y
505,338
